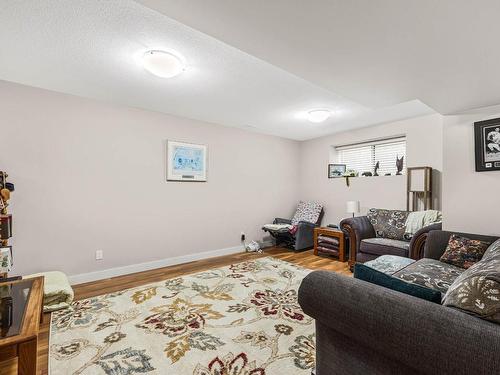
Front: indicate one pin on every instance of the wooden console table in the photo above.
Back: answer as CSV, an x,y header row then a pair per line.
x,y
333,233
20,313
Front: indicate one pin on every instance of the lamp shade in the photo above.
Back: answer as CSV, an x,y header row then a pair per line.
x,y
352,207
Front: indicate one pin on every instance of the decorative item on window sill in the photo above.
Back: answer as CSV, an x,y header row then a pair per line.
x,y
399,165
349,173
375,171
5,225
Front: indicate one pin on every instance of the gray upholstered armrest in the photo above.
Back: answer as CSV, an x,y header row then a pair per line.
x,y
304,237
279,220
401,328
358,229
437,240
417,242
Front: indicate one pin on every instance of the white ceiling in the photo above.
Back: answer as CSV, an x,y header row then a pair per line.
x,y
377,53
308,56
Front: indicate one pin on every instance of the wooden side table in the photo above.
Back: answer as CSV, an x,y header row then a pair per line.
x,y
333,233
21,309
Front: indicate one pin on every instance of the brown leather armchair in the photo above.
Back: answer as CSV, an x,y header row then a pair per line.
x,y
364,244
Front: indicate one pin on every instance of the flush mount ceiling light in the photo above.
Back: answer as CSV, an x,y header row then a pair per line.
x,y
162,64
318,115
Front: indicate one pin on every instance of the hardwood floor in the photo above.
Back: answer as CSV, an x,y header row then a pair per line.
x,y
305,259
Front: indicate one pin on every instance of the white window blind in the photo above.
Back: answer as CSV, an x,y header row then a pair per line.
x,y
362,157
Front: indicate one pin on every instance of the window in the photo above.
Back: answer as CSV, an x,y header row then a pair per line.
x,y
362,157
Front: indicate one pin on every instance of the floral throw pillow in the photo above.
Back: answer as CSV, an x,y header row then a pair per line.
x,y
464,252
307,211
388,223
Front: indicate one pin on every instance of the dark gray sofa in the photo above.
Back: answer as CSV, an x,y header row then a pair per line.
x,y
362,328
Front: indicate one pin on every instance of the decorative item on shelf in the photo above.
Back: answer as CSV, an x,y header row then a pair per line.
x,y
377,166
5,228
5,225
349,173
336,170
387,174
186,162
419,188
5,190
352,207
399,164
487,145
5,259
367,174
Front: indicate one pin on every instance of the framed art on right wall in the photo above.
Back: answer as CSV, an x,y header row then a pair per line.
x,y
487,144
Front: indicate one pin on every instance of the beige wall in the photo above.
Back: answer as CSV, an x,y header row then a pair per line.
x,y
470,198
91,176
424,148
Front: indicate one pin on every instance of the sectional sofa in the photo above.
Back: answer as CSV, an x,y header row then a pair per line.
x,y
363,328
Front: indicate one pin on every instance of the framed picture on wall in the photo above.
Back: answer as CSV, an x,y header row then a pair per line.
x,y
336,170
487,145
186,162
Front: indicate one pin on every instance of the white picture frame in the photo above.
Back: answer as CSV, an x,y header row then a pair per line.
x,y
186,161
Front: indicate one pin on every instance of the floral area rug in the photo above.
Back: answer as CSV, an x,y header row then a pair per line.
x,y
243,319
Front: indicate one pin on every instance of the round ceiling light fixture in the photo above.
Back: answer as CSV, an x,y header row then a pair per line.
x,y
318,115
162,64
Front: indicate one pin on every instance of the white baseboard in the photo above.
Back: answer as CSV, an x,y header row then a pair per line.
x,y
133,268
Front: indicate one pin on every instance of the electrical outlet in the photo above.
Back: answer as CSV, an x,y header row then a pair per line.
x,y
99,255
243,237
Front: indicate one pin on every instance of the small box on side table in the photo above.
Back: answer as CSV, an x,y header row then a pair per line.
x,y
330,241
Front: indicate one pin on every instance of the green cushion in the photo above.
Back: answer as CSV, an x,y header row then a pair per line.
x,y
373,276
389,264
